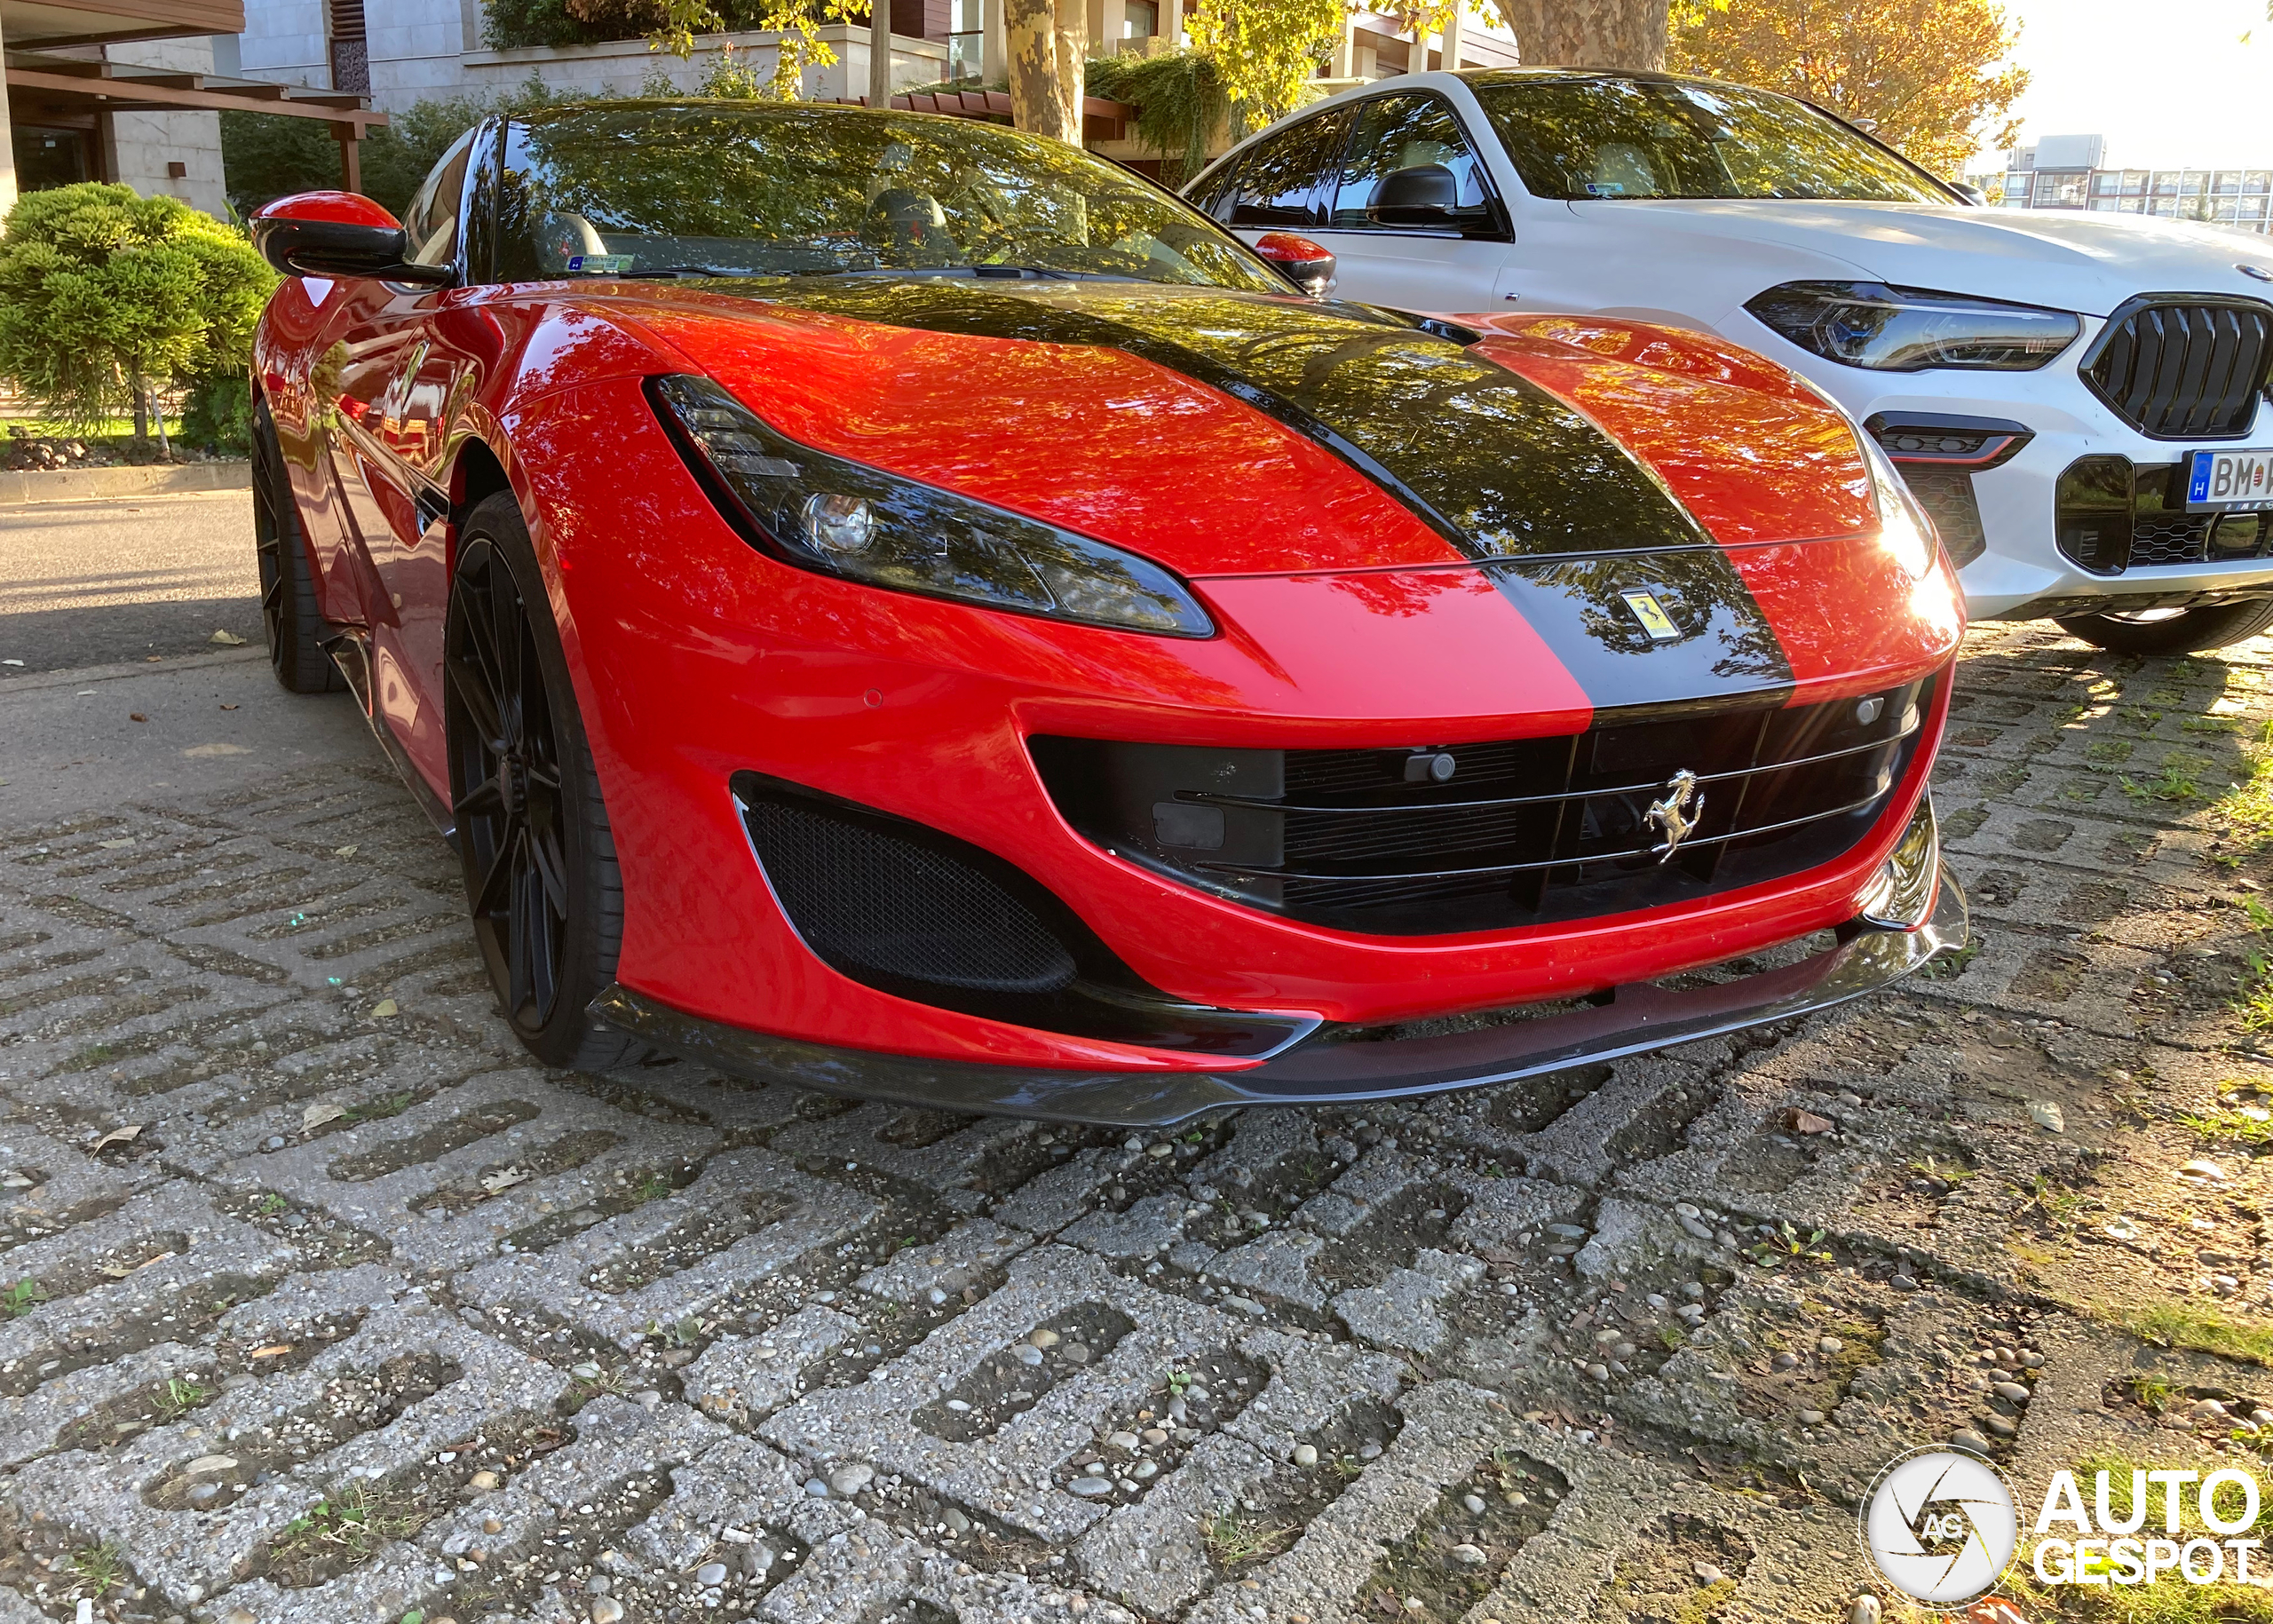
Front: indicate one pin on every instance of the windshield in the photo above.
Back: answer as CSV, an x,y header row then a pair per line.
x,y
734,189
1641,138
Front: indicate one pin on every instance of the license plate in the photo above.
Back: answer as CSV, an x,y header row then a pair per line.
x,y
2231,479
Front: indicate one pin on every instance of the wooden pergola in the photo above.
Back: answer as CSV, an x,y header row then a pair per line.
x,y
44,89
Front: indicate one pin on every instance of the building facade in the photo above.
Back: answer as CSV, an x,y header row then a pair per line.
x,y
2071,172
132,92
402,52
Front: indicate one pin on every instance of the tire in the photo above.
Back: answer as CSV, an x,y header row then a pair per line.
x,y
2183,631
290,617
540,875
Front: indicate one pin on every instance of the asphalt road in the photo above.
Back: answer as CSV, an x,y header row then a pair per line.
x,y
88,584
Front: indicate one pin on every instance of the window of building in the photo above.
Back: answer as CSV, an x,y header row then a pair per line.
x,y
1140,20
46,157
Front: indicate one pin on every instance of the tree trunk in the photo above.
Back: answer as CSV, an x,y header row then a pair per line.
x,y
1073,41
141,404
1047,40
880,53
1629,34
158,415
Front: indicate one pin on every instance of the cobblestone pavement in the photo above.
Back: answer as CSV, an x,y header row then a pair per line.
x,y
317,1304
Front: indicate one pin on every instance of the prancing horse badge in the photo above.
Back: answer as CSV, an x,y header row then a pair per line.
x,y
1652,615
1678,812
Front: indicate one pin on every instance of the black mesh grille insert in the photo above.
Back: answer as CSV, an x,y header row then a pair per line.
x,y
2184,368
1520,832
870,903
1946,494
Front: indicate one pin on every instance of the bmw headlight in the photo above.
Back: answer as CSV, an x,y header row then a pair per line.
x,y
1904,530
826,514
1908,329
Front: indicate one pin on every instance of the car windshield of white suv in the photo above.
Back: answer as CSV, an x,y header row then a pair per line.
x,y
1615,138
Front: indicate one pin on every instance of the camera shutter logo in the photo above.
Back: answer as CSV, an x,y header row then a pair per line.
x,y
1940,1526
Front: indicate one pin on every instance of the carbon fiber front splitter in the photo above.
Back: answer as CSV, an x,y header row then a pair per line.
x,y
1632,1019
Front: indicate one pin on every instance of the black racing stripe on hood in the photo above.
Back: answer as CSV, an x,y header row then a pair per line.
x,y
1560,518
1727,655
1494,463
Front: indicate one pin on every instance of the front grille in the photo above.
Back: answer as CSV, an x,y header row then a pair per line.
x,y
1946,494
2184,368
1522,832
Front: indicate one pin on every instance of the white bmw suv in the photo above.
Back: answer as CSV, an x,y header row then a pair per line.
x,y
2081,400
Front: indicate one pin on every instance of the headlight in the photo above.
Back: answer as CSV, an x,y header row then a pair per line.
x,y
823,512
1908,329
1904,530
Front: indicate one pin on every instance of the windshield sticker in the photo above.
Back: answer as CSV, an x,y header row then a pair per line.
x,y
599,265
1605,188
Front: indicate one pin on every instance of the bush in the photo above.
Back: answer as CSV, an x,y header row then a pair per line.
x,y
217,413
1180,105
105,294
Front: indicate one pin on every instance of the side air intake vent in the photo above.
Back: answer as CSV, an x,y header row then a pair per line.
x,y
872,903
910,911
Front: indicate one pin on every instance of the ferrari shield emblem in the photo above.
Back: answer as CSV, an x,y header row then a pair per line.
x,y
1652,615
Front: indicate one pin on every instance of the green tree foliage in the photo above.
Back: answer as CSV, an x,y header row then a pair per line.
x,y
1266,52
267,156
105,294
1931,77
676,23
1180,102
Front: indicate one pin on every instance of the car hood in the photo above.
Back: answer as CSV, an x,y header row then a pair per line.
x,y
1226,433
2079,261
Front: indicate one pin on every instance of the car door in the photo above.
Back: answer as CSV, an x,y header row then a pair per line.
x,y
403,364
1446,265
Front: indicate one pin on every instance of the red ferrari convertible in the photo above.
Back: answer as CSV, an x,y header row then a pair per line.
x,y
895,606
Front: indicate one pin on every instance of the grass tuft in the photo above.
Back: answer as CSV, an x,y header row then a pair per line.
x,y
2182,1325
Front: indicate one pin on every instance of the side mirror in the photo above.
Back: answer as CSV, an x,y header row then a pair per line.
x,y
1307,265
1424,195
339,233
1972,194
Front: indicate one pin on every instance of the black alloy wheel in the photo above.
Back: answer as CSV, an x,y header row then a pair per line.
x,y
540,865
289,618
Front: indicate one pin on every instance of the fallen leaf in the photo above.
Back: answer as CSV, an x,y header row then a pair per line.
x,y
228,707
136,716
2203,1172
227,639
505,1178
1807,1122
384,1008
316,1116
117,1272
275,1350
11,662
2047,1114
113,845
149,1262
118,1136
343,851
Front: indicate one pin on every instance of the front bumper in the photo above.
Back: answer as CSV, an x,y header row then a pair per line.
x,y
1632,1019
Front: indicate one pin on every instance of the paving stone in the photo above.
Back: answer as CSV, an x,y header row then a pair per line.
x,y
380,1177
1008,1475
749,1377
1402,1310
971,1252
800,1215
